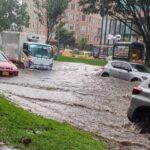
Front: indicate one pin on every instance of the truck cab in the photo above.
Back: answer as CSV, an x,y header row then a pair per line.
x,y
27,50
39,56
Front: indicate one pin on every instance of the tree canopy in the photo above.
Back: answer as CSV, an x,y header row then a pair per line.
x,y
13,12
65,37
83,43
50,12
136,11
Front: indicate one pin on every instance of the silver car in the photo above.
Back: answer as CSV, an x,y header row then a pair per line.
x,y
139,110
126,71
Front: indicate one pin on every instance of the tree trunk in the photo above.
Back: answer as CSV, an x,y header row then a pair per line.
x,y
147,46
48,30
47,38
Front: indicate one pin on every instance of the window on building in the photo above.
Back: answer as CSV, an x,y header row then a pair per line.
x,y
71,26
83,28
29,25
83,18
128,30
66,16
77,27
77,17
66,26
78,7
94,30
99,31
73,6
71,16
90,19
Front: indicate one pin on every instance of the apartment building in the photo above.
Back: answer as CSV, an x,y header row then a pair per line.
x,y
83,25
34,25
88,26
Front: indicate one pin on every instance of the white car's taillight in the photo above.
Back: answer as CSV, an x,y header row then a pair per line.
x,y
136,90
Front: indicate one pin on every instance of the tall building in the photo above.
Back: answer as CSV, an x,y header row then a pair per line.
x,y
88,26
34,25
83,25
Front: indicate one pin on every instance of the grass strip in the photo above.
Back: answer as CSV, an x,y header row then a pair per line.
x,y
25,130
96,62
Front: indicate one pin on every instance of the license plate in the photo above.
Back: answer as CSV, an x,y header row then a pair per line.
x,y
5,73
41,66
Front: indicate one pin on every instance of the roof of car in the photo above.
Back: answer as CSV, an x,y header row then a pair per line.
x,y
136,64
125,62
118,61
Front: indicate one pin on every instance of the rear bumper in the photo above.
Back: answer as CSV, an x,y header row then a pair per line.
x,y
11,73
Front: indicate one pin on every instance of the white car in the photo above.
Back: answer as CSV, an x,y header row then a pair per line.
x,y
139,110
125,70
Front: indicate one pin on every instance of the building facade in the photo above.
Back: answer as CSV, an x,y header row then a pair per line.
x,y
115,27
95,28
34,25
83,25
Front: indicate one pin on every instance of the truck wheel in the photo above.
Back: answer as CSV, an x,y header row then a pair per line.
x,y
50,67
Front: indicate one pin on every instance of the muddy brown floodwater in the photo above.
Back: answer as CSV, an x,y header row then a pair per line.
x,y
75,93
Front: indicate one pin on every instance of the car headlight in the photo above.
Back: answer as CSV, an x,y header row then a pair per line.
x,y
14,68
144,78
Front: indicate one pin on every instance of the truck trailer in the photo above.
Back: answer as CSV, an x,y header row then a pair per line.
x,y
27,50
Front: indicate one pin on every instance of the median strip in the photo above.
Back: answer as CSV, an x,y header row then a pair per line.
x,y
25,130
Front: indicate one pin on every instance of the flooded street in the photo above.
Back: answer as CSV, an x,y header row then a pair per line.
x,y
75,93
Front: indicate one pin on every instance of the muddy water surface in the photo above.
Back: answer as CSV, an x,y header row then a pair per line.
x,y
75,93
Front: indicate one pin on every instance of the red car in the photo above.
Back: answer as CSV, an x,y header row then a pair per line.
x,y
7,68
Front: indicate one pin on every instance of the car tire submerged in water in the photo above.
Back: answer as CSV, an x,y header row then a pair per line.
x,y
105,74
135,79
142,122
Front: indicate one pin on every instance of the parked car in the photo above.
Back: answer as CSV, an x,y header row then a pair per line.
x,y
125,70
67,53
7,68
84,55
139,110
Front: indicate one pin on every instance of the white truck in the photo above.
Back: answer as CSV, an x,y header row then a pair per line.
x,y
27,49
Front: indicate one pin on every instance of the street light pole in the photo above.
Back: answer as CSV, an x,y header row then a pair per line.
x,y
102,25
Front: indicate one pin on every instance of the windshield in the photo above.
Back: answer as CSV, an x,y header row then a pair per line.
x,y
40,51
3,57
139,68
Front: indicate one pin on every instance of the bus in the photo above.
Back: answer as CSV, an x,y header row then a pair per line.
x,y
129,51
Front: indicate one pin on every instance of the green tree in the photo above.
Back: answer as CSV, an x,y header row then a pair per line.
x,y
50,13
135,11
12,12
65,37
83,43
